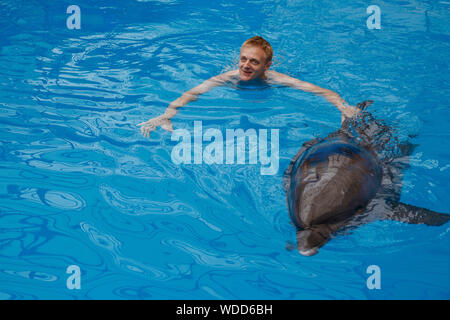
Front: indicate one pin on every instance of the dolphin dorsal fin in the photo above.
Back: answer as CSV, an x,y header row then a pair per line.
x,y
363,105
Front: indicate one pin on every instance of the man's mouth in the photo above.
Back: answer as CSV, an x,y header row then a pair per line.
x,y
247,72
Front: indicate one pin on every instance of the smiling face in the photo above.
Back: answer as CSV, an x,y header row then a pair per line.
x,y
252,63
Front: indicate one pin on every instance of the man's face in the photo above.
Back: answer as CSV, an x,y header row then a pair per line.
x,y
252,63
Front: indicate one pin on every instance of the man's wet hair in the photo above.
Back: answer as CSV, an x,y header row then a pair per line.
x,y
258,41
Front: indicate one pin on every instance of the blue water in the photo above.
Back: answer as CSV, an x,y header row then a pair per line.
x,y
80,186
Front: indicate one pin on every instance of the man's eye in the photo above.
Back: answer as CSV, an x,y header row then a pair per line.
x,y
243,59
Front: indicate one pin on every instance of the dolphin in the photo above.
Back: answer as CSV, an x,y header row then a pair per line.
x,y
351,177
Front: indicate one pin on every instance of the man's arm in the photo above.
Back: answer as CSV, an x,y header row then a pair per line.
x,y
190,95
330,96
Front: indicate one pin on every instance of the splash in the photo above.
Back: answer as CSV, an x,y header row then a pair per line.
x,y
375,134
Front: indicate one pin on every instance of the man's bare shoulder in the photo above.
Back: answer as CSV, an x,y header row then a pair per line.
x,y
227,76
277,76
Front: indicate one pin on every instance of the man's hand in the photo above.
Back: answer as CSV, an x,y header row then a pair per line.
x,y
152,124
350,111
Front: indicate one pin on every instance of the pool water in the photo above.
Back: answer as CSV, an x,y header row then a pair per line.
x,y
80,186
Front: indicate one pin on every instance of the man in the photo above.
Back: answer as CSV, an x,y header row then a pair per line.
x,y
254,63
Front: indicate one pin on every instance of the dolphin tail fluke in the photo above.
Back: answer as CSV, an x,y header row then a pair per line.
x,y
411,214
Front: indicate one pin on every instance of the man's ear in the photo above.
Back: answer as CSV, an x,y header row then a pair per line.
x,y
268,64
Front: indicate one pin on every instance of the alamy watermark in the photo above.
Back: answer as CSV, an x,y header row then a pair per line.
x,y
218,152
74,20
74,280
374,20
374,280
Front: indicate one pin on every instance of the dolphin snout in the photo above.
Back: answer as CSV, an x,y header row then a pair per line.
x,y
308,252
309,241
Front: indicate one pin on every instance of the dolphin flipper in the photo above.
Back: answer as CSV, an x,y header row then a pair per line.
x,y
415,215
